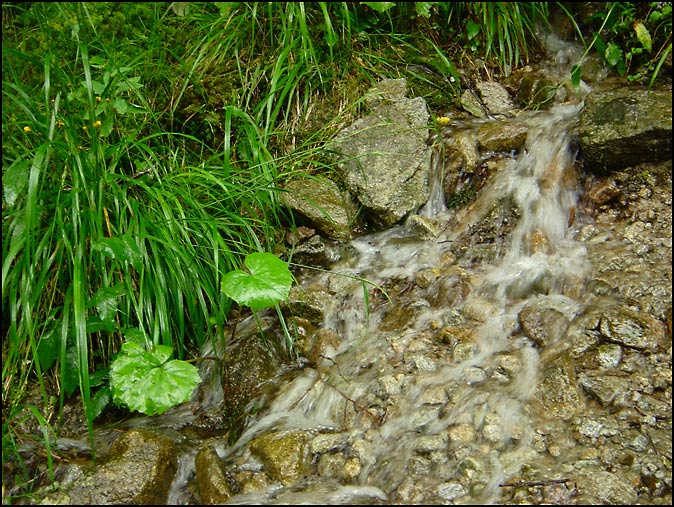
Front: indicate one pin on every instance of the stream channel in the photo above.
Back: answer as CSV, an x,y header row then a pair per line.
x,y
413,405
445,373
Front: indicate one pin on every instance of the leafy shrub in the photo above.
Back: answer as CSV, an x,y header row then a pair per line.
x,y
632,38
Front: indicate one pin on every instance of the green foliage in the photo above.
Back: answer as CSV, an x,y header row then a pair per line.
x,y
421,8
504,31
266,283
112,223
147,380
633,38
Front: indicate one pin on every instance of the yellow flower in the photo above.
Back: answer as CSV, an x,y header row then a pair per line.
x,y
27,129
97,123
98,99
59,123
84,127
442,120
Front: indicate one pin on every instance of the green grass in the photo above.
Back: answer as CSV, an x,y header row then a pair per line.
x,y
144,152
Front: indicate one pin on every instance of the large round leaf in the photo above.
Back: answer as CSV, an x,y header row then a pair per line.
x,y
267,283
146,381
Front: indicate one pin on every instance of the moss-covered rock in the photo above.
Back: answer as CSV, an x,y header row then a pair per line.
x,y
625,127
140,470
285,455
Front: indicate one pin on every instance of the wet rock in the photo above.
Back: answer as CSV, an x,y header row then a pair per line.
x,y
582,334
599,357
336,466
495,97
316,251
603,191
139,470
474,376
609,355
429,443
435,395
601,487
424,416
296,236
409,492
328,442
472,104
619,325
558,391
536,90
542,325
507,366
625,127
284,455
461,435
464,146
384,155
454,334
449,491
362,449
425,277
608,390
397,318
321,202
214,487
387,386
655,407
464,351
248,367
502,137
309,304
421,227
321,346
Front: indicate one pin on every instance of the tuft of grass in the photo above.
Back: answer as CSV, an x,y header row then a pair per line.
x,y
499,31
108,227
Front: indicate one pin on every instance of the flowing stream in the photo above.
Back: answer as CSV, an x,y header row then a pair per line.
x,y
428,382
408,403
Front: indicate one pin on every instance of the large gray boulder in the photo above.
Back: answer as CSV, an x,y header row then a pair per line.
x,y
625,127
384,156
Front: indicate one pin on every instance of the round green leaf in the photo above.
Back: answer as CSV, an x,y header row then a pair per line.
x,y
267,283
145,381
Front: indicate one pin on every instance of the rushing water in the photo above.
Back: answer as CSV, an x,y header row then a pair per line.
x,y
438,399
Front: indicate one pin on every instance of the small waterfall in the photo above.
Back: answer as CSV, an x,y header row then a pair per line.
x,y
436,205
434,416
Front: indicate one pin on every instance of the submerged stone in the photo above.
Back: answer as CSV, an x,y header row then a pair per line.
x,y
558,392
140,470
619,325
213,486
284,455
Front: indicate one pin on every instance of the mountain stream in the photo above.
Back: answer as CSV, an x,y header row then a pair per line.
x,y
434,391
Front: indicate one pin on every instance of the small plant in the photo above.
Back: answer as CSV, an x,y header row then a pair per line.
x,y
634,39
144,378
147,380
266,284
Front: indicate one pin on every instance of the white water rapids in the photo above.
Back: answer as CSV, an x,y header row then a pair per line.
x,y
451,406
